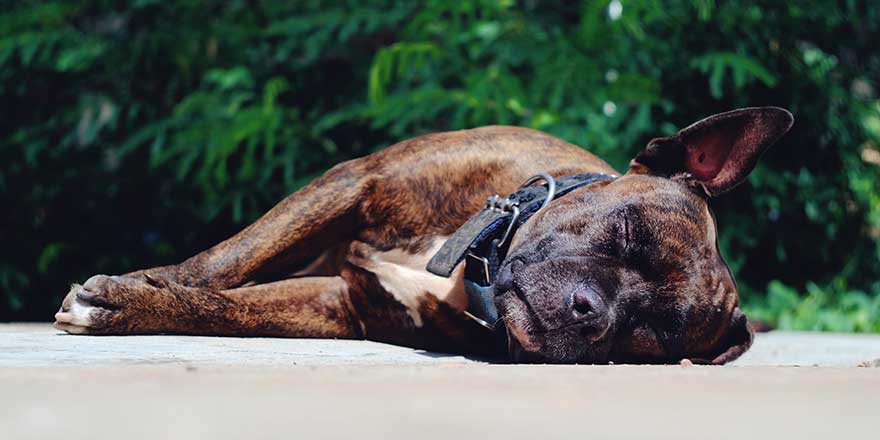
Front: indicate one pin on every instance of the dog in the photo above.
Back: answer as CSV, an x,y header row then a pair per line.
x,y
622,269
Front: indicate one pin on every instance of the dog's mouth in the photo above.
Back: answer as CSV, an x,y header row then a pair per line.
x,y
522,348
517,323
528,341
515,349
523,345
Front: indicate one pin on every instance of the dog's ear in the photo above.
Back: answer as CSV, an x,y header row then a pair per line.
x,y
739,338
717,153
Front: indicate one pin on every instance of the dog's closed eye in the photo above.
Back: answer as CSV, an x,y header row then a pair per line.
x,y
620,235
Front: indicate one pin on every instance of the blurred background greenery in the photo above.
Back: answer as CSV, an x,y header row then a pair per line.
x,y
138,133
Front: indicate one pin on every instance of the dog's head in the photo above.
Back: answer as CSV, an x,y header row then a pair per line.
x,y
629,271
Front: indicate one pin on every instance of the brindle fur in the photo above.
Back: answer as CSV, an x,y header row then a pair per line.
x,y
291,273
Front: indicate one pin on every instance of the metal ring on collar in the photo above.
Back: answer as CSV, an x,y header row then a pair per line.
x,y
551,192
551,186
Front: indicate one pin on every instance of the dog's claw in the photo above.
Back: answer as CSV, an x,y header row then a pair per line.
x,y
94,299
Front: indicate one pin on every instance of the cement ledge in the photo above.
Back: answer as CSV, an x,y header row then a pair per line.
x,y
39,345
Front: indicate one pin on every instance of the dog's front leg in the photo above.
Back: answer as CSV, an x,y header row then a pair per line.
x,y
296,231
299,307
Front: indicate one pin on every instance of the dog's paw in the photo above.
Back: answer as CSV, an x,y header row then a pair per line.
x,y
104,305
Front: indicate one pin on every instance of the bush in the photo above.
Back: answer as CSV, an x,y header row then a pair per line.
x,y
138,133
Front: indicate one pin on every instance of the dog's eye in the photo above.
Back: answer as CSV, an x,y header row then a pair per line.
x,y
617,241
632,233
622,235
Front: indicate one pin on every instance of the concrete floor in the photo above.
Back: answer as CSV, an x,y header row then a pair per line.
x,y
54,385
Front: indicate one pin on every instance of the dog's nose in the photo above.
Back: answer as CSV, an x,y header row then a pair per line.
x,y
581,303
586,303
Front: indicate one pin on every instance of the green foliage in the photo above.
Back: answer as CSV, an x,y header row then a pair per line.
x,y
138,133
821,309
742,68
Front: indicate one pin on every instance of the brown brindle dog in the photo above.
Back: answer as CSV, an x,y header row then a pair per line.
x,y
624,270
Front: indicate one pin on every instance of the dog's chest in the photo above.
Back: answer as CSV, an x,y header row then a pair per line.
x,y
402,274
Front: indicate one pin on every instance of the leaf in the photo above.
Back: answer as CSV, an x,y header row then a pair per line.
x,y
400,59
742,68
49,255
79,58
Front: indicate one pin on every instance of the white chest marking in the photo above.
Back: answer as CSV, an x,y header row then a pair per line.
x,y
403,275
